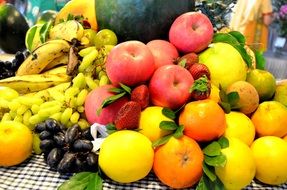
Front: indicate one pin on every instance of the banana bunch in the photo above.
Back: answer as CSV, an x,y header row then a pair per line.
x,y
47,56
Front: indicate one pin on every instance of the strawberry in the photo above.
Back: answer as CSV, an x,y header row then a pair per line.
x,y
187,60
140,94
128,116
197,70
200,89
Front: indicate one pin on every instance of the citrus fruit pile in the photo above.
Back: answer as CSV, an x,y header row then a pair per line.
x,y
192,108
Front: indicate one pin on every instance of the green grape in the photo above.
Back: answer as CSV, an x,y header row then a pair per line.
x,y
72,103
98,69
50,104
62,87
79,81
81,109
29,101
91,83
35,108
69,124
6,117
14,105
88,60
8,93
101,73
36,144
12,114
34,119
65,117
57,95
104,80
49,111
43,94
22,109
82,97
75,117
84,52
4,103
108,48
83,123
56,116
26,117
18,118
72,91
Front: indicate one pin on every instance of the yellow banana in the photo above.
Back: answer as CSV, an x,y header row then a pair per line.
x,y
32,83
62,60
57,70
42,56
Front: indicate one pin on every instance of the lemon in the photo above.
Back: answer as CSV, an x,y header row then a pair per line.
x,y
149,123
225,64
239,126
214,93
126,156
239,169
270,155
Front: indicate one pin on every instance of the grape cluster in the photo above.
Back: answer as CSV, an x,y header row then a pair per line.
x,y
8,68
66,150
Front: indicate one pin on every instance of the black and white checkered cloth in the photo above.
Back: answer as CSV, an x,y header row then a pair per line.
x,y
34,174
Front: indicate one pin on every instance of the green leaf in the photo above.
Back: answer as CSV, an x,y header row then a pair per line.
x,y
208,172
44,31
111,126
179,132
182,63
222,94
168,125
233,98
213,149
70,17
200,85
78,181
110,100
116,90
218,184
239,37
168,113
225,106
223,141
219,160
96,183
126,88
260,60
30,37
161,141
246,57
225,38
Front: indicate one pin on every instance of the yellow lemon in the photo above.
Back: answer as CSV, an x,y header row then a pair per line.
x,y
270,155
239,126
16,142
239,169
149,123
126,156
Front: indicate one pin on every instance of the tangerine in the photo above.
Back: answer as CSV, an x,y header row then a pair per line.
x,y
203,120
178,163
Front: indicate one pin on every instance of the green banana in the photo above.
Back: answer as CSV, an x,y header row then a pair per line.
x,y
35,82
42,56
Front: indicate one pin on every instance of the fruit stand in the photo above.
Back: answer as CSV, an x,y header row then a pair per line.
x,y
96,103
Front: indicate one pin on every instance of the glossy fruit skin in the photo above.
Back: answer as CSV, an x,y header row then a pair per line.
x,y
140,20
13,28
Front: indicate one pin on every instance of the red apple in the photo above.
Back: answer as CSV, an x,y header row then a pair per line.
x,y
94,101
169,86
191,32
164,53
130,63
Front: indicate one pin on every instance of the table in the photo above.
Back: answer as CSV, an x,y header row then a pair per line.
x,y
34,174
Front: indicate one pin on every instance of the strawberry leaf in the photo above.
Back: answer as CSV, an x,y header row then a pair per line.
x,y
161,141
182,63
168,125
200,85
168,113
179,132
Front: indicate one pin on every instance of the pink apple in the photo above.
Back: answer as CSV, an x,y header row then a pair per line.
x,y
169,86
164,53
130,63
191,32
94,101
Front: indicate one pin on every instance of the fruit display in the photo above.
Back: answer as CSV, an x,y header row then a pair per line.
x,y
106,104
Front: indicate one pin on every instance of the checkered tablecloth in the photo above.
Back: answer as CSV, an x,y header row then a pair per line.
x,y
34,174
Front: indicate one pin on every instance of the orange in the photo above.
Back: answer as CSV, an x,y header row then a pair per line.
x,y
270,119
16,142
178,163
285,138
203,120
